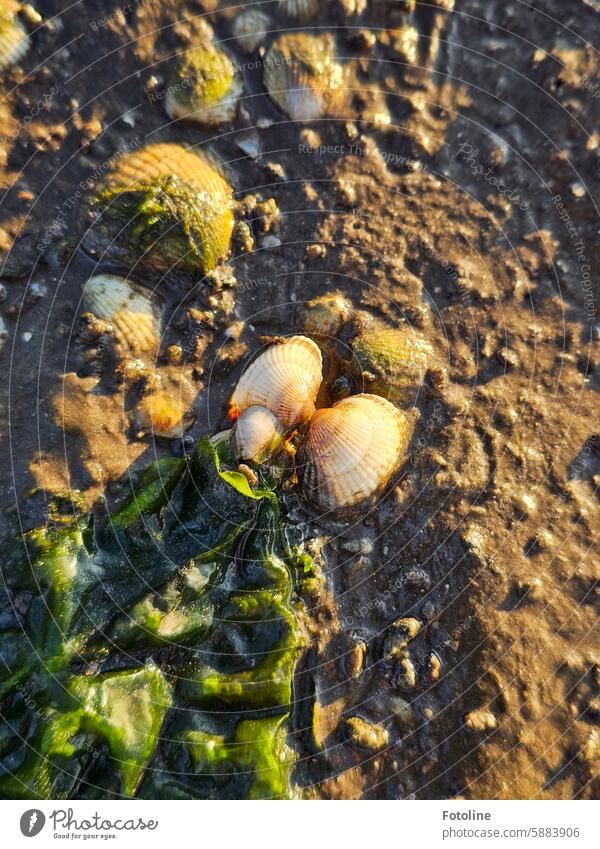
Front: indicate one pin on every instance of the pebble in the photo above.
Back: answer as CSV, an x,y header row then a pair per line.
x,y
428,610
355,658
405,674
417,579
367,734
481,720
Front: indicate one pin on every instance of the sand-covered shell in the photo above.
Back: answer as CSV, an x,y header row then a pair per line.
x,y
131,310
325,315
163,414
391,361
256,434
285,379
204,86
299,10
351,450
14,39
250,28
303,76
161,208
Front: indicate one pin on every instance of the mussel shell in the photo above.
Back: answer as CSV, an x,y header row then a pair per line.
x,y
204,86
14,39
162,208
303,76
130,309
285,379
351,450
256,433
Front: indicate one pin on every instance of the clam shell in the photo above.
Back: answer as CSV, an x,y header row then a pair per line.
x,y
14,39
256,434
250,28
129,308
302,75
204,87
163,415
161,208
351,451
285,378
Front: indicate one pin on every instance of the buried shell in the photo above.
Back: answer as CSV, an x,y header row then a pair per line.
x,y
256,434
161,208
129,309
298,9
351,450
164,415
250,28
14,40
302,75
204,87
285,378
392,361
325,315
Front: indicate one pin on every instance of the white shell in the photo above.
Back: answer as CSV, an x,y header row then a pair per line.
x,y
250,29
285,378
256,433
129,308
351,450
14,39
303,76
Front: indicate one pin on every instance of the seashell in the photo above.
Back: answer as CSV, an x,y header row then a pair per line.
x,y
161,208
325,315
129,309
204,87
14,39
285,378
298,9
250,28
163,415
392,361
256,434
302,75
351,451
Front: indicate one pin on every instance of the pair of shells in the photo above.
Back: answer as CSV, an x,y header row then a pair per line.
x,y
204,86
14,40
350,450
161,208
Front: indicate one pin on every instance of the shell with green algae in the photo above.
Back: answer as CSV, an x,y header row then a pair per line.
x,y
204,86
303,76
391,361
14,39
161,209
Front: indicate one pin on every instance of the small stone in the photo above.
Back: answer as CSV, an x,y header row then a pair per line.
x,y
417,580
405,677
27,336
367,734
577,189
355,658
481,720
530,590
248,473
428,611
508,357
399,635
362,545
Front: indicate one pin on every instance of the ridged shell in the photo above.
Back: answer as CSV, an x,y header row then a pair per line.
x,y
299,9
302,75
285,378
250,29
14,39
351,450
204,87
129,308
392,361
163,415
161,208
256,433
325,315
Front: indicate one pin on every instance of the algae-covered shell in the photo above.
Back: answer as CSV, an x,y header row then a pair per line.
x,y
162,208
256,434
14,40
325,315
250,28
299,9
392,361
285,379
303,76
351,450
204,86
163,414
130,309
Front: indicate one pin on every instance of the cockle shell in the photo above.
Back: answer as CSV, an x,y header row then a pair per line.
x,y
163,414
302,75
250,28
392,360
14,39
204,86
256,434
161,208
325,314
285,378
351,450
299,9
130,309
